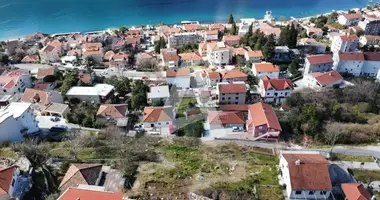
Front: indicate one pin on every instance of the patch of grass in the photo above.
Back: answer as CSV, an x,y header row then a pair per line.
x,y
343,157
8,153
365,176
269,193
184,104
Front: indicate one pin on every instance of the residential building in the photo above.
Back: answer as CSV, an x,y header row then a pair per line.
x,y
355,191
311,31
31,59
370,25
318,63
310,45
202,49
45,86
283,53
158,94
305,175
345,43
179,39
144,57
253,56
212,78
112,113
50,53
136,33
179,77
371,64
158,117
218,54
234,75
190,59
231,40
13,183
56,109
87,79
192,27
233,107
244,26
87,174
16,121
351,19
41,97
170,59
262,122
265,69
240,51
46,71
35,37
211,35
11,46
318,80
349,62
15,82
219,120
89,193
231,93
275,90
99,93
216,27
369,40
93,50
74,40
119,60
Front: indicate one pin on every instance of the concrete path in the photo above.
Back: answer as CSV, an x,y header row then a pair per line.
x,y
357,165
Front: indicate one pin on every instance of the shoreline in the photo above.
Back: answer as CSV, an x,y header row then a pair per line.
x,y
222,21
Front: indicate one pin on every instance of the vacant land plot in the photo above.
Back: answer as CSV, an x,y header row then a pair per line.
x,y
365,176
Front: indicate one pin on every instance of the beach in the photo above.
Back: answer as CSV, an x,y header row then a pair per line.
x,y
22,17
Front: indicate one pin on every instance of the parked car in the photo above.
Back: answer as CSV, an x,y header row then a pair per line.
x,y
237,129
58,129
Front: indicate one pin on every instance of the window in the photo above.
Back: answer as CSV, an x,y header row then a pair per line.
x,y
159,123
229,98
311,192
4,90
13,182
167,123
236,98
223,98
323,192
298,192
237,93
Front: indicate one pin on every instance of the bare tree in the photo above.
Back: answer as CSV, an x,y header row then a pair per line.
x,y
147,64
333,133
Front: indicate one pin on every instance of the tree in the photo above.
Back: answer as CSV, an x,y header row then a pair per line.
x,y
333,133
89,62
123,30
284,38
332,18
70,79
49,79
160,44
268,48
293,36
231,19
360,33
147,65
139,95
195,129
4,59
234,30
122,85
293,67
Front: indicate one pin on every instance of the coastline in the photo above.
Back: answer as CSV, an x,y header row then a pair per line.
x,y
203,20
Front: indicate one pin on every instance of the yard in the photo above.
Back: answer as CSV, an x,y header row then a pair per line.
x,y
184,104
365,176
343,157
189,166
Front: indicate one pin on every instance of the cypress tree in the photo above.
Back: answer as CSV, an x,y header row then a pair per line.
x,y
231,19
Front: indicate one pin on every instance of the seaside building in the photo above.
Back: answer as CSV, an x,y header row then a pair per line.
x,y
253,56
244,26
358,64
275,90
218,54
15,82
159,120
93,50
179,39
262,122
351,19
231,40
51,53
318,63
265,69
211,35
190,59
370,25
311,45
16,120
231,93
319,80
345,43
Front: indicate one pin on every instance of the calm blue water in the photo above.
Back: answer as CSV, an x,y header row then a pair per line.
x,y
21,17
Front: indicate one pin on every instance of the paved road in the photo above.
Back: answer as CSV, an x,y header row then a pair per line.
x,y
357,165
356,151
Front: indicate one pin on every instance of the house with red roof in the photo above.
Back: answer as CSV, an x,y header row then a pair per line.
x,y
345,43
31,59
355,191
318,63
305,175
349,62
319,80
159,119
46,71
15,81
311,31
12,183
265,69
234,75
369,40
179,77
224,119
211,35
231,93
212,78
262,122
89,193
51,52
190,59
254,56
231,40
275,90
216,27
111,112
119,60
93,50
87,174
350,19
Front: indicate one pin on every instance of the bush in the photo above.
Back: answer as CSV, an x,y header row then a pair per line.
x,y
49,79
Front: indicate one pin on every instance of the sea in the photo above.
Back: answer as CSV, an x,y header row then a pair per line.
x,y
21,17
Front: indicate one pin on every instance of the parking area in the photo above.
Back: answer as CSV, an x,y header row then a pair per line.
x,y
46,122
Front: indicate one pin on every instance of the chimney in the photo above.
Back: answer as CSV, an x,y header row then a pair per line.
x,y
298,162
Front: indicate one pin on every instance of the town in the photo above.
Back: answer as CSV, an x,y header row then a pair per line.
x,y
246,109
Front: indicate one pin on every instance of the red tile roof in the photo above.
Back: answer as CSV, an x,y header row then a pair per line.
x,y
231,38
232,88
319,59
83,194
178,72
190,56
219,27
239,51
215,117
326,78
234,107
30,59
85,78
80,174
371,37
158,114
192,27
263,114
6,175
38,96
372,56
255,54
45,71
349,38
49,48
266,67
213,32
214,75
233,74
108,55
277,84
112,111
74,52
355,191
351,56
170,57
353,16
312,173
120,56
